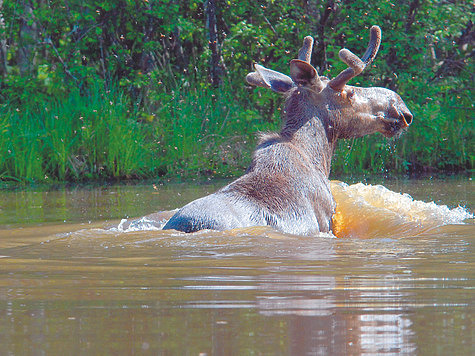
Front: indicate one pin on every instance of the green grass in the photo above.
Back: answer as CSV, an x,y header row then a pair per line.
x,y
82,137
200,132
206,132
103,136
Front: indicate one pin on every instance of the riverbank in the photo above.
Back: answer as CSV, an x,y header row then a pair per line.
x,y
195,133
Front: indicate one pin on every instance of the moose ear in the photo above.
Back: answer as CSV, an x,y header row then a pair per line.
x,y
303,72
255,79
268,78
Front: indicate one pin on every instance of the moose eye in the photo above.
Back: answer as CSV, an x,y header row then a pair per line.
x,y
350,93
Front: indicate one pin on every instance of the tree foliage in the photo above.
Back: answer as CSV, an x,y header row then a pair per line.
x,y
162,54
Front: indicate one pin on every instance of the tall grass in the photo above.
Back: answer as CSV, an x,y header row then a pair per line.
x,y
80,137
103,135
200,132
206,131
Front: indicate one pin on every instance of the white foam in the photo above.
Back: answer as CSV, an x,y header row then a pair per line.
x,y
381,198
142,224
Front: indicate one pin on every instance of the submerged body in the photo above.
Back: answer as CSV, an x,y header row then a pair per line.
x,y
287,186
285,192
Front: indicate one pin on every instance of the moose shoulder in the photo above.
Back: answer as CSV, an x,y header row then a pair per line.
x,y
286,185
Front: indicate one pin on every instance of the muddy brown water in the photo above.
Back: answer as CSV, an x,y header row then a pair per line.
x,y
76,279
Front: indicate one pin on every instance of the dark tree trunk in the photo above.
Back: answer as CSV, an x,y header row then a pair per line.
x,y
411,16
3,44
214,69
462,52
313,16
321,51
28,38
147,62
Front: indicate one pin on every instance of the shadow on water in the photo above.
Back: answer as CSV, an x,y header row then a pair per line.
x,y
125,286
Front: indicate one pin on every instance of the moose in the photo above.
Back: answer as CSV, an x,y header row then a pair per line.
x,y
286,185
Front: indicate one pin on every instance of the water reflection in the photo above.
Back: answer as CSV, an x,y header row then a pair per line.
x,y
161,293
297,295
386,333
321,324
322,315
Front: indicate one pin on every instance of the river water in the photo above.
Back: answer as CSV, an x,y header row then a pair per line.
x,y
76,278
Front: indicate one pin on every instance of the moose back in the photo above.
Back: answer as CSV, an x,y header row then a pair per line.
x,y
287,186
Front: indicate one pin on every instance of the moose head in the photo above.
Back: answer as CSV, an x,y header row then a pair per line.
x,y
286,186
347,111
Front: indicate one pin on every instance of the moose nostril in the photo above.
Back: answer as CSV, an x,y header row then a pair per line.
x,y
407,118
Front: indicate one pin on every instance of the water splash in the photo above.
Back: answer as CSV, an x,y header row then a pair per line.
x,y
363,211
368,211
152,222
142,224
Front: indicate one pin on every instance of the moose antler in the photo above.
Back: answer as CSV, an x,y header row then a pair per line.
x,y
355,64
305,53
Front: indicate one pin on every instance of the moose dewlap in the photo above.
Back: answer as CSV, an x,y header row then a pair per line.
x,y
286,186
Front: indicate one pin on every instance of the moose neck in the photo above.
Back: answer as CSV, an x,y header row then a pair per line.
x,y
309,129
